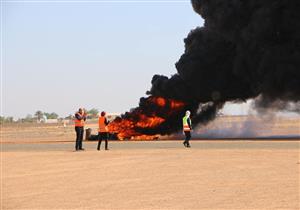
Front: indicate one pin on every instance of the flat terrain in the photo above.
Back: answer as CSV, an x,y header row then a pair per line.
x,y
40,170
151,175
223,127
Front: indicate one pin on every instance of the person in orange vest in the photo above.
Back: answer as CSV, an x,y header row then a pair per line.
x,y
80,118
103,130
187,128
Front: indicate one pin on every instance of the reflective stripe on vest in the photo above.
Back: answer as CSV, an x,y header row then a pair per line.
x,y
186,126
102,126
79,123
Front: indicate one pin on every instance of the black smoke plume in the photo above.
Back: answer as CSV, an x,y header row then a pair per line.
x,y
246,49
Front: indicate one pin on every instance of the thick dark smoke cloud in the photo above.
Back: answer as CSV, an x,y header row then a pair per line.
x,y
246,49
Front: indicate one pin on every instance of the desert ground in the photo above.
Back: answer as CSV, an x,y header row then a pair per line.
x,y
40,170
236,127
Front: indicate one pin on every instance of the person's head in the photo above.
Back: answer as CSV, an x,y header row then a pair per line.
x,y
103,114
187,113
80,110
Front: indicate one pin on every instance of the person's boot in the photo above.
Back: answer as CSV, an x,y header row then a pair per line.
x,y
184,143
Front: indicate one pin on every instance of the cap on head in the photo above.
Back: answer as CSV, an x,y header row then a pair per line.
x,y
103,114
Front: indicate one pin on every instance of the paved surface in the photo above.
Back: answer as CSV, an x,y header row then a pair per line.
x,y
202,145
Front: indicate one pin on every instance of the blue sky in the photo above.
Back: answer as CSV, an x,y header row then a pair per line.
x,y
58,56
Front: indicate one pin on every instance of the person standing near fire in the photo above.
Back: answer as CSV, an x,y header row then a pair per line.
x,y
80,118
103,130
187,128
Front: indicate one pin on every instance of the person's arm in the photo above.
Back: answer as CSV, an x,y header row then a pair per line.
x,y
80,117
189,123
106,121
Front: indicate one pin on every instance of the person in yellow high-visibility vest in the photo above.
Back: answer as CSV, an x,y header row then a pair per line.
x,y
103,131
187,128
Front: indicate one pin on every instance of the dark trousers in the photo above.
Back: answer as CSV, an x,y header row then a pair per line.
x,y
187,137
79,137
102,136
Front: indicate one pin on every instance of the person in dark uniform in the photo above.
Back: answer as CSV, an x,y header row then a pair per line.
x,y
103,130
187,128
80,118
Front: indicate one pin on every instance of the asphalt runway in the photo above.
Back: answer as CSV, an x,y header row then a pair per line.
x,y
127,145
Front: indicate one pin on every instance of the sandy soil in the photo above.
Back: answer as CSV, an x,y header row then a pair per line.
x,y
222,127
153,175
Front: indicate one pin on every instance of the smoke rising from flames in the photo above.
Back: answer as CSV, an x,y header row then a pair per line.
x,y
246,49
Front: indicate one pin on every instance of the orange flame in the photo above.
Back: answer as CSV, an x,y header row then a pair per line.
x,y
160,101
149,122
130,127
176,104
